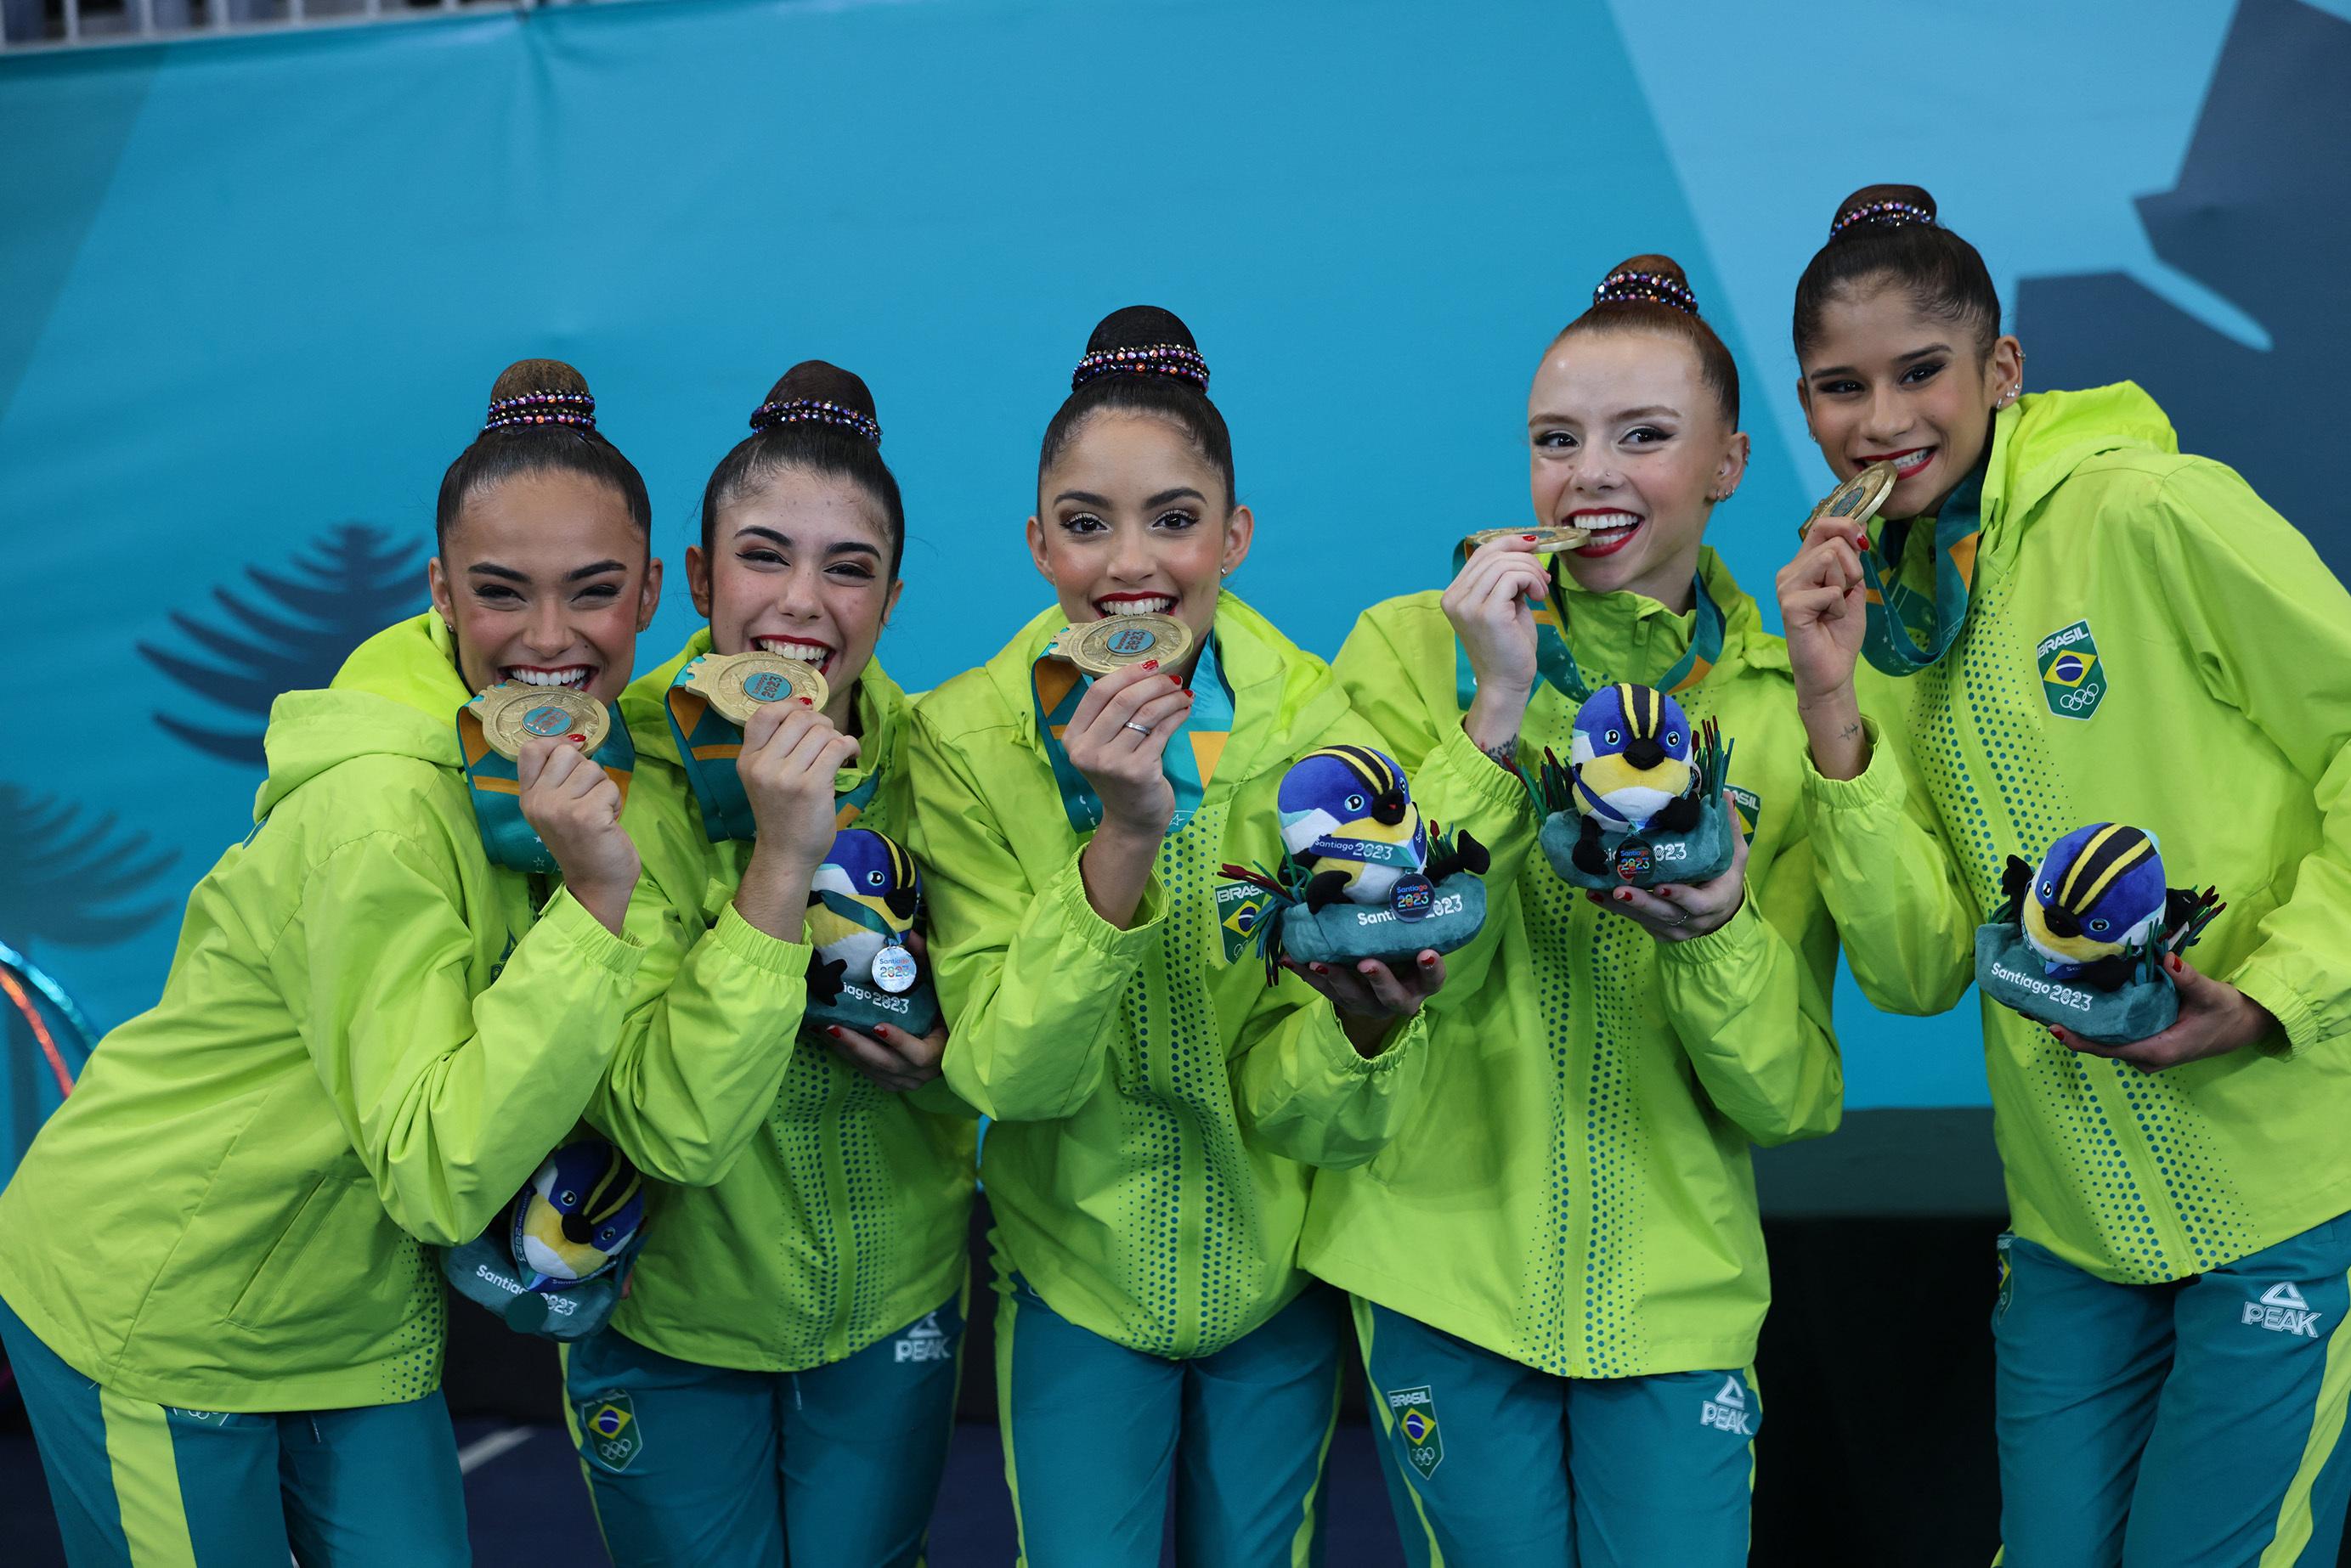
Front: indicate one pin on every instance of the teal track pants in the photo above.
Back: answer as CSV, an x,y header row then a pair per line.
x,y
153,1486
1096,1434
1498,1465
2199,1422
834,1467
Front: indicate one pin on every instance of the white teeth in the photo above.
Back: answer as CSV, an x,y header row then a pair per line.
x,y
806,652
1606,522
1158,604
574,676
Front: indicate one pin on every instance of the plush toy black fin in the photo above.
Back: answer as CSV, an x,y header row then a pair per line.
x,y
1586,854
1326,887
1680,814
2015,878
1471,856
824,978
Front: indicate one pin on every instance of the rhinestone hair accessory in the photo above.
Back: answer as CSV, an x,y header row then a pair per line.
x,y
577,410
1644,288
816,411
1890,214
1159,359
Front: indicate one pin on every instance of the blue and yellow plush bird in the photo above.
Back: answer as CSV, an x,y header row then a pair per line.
x,y
2096,904
1633,768
1348,817
867,895
580,1210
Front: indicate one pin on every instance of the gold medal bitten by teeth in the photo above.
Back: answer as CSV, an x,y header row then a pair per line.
x,y
1858,498
514,712
1114,642
1550,538
739,684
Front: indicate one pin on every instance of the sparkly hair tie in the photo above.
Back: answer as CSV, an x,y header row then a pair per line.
x,y
1644,288
1159,359
1890,214
816,411
577,410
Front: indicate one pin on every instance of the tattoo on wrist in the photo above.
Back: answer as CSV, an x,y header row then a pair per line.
x,y
1503,757
1849,731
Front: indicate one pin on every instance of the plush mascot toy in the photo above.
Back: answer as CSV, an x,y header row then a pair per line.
x,y
862,905
553,1263
1363,875
1640,801
2081,941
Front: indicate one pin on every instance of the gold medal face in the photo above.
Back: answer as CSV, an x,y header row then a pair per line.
x,y
739,684
1114,642
1550,539
513,713
1857,499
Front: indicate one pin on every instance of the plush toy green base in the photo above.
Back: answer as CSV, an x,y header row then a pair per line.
x,y
1700,854
483,1271
860,1007
1350,933
2012,974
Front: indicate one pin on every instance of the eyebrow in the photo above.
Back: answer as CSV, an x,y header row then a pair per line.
x,y
1898,359
837,547
1088,498
598,570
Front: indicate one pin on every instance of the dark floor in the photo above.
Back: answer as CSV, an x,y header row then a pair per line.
x,y
525,1502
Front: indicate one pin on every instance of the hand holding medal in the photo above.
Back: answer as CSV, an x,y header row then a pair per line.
x,y
550,733
1489,604
1117,738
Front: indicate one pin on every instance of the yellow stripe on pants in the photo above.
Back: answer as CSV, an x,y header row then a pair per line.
x,y
146,1482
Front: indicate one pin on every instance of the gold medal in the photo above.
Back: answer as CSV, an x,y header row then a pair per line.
x,y
514,712
1550,539
1856,500
738,685
1114,642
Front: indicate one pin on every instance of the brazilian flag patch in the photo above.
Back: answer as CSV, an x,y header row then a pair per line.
x,y
1750,810
1416,1417
2072,677
1239,906
609,1431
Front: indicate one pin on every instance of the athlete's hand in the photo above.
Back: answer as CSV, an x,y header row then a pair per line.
x,y
1823,607
1116,738
1486,603
1681,911
2215,1018
1370,997
790,752
899,1062
574,806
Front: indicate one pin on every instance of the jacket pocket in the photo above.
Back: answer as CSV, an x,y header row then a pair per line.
x,y
261,1301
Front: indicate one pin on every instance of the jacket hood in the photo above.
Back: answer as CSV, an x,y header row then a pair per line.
x,y
2041,439
397,695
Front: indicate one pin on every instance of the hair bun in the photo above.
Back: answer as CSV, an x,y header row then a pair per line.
x,y
1646,280
539,393
1883,206
1142,341
816,393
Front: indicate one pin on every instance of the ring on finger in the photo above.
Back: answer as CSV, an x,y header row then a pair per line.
x,y
1138,729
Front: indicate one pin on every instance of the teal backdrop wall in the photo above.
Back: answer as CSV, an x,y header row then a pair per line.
x,y
253,292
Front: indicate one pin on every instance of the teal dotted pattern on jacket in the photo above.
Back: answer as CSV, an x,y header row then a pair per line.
x,y
1190,1213
2111,1123
415,1370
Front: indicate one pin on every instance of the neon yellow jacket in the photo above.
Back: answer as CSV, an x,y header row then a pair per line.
x,y
834,1212
1152,1092
2215,714
367,1041
1575,1190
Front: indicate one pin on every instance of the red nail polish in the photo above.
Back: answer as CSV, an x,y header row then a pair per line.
x,y
1623,896
829,1029
1528,538
1151,664
1319,968
808,701
581,738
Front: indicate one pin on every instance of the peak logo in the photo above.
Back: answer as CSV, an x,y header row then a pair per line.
x,y
927,1340
2283,1310
1727,1411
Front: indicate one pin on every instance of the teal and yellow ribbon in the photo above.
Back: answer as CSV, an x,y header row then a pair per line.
x,y
495,786
1916,612
707,746
1192,754
1557,663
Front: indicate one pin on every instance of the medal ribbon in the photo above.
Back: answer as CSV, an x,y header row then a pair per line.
x,y
1192,754
495,786
1912,621
707,746
1373,852
1557,664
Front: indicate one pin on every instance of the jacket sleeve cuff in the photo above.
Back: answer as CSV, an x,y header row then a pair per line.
x,y
1739,940
1399,1048
566,920
755,946
2294,1017
1478,776
1101,938
1878,785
